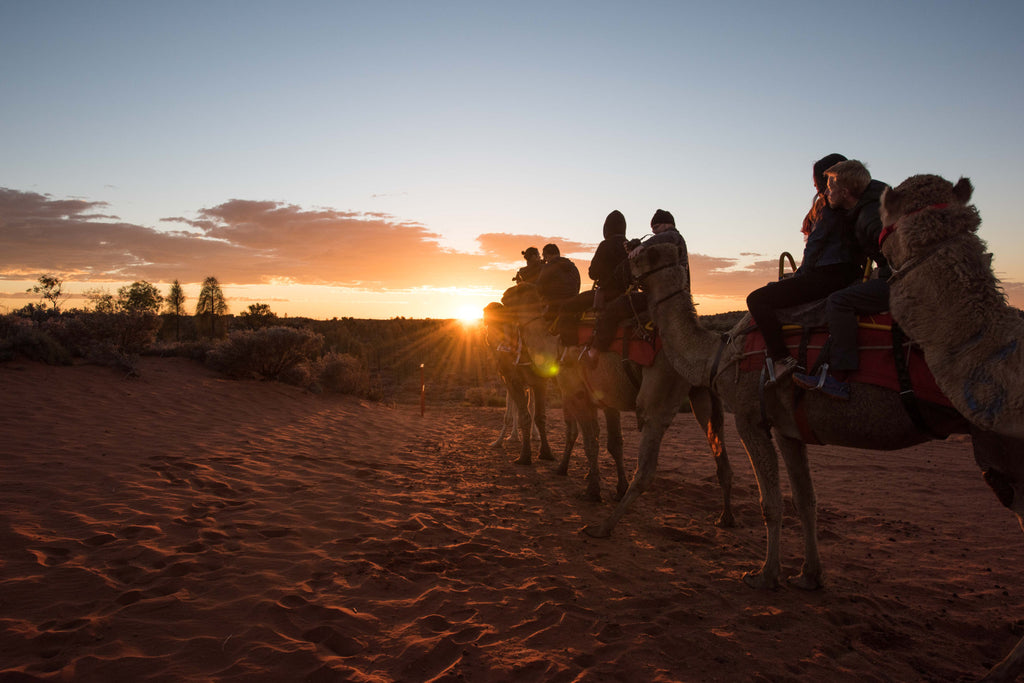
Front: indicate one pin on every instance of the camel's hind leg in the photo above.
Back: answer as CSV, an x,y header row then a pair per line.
x,y
518,392
707,408
765,462
539,389
794,453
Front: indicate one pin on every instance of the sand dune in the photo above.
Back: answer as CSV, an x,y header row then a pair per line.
x,y
180,526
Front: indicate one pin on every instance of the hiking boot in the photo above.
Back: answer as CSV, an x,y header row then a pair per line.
x,y
777,369
825,383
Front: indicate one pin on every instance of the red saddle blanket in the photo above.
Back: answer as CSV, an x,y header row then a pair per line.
x,y
629,343
877,364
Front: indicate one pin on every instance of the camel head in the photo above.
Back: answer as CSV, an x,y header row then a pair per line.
x,y
657,256
923,211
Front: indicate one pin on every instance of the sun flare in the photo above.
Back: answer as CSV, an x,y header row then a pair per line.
x,y
470,315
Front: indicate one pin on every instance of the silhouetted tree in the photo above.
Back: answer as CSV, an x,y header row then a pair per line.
x,y
258,316
49,288
176,306
211,302
139,297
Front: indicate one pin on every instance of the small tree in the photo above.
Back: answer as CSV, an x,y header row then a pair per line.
x,y
176,306
101,301
211,302
258,316
49,288
139,297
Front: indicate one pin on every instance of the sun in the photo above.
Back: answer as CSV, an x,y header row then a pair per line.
x,y
470,316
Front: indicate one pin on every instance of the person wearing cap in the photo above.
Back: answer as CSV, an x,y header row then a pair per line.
x,y
531,270
831,261
663,227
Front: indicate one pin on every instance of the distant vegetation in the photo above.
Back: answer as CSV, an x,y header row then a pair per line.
x,y
377,359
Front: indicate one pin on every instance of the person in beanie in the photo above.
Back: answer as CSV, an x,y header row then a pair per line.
x,y
663,227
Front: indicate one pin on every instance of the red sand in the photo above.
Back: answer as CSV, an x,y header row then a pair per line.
x,y
180,526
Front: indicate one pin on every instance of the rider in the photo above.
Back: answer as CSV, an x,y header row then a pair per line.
x,y
831,261
663,227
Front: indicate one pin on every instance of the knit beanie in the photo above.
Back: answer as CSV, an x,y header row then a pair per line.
x,y
662,216
822,165
614,224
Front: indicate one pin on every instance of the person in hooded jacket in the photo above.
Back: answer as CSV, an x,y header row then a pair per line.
x,y
831,261
663,227
531,270
852,190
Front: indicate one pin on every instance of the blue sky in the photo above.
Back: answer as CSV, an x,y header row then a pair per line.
x,y
437,123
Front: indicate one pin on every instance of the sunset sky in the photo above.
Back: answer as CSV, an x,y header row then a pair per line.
x,y
382,159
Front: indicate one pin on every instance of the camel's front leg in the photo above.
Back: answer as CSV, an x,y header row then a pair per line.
x,y
541,419
707,408
591,430
765,462
519,400
613,426
509,422
1010,668
572,431
794,453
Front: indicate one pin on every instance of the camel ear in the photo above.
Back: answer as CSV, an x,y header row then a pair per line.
x,y
963,190
891,201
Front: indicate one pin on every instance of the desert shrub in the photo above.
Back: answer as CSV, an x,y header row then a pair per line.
x,y
101,337
485,396
268,352
342,373
19,337
299,376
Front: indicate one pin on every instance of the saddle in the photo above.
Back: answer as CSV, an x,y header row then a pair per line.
x,y
636,340
875,345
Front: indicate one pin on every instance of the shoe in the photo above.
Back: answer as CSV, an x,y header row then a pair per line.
x,y
777,369
825,383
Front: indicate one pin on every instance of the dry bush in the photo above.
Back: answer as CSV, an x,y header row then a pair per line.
x,y
342,373
268,353
19,337
487,396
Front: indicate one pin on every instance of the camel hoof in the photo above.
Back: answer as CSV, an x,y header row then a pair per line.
x,y
597,531
726,521
759,581
545,455
805,582
562,471
523,461
590,496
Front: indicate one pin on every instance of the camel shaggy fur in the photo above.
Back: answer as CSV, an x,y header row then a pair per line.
x,y
873,418
946,298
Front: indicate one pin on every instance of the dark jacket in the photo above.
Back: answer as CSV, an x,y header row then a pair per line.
x,y
867,225
558,280
529,272
830,242
610,253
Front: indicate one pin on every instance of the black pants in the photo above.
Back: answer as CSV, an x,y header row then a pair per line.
x,y
802,288
618,309
862,298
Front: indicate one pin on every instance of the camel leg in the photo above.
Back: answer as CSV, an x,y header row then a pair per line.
x,y
1010,668
765,462
707,408
532,406
656,407
541,419
519,399
572,431
794,453
613,425
590,428
509,423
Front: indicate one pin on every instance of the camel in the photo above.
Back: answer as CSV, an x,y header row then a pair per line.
x,y
873,418
946,298
525,382
607,387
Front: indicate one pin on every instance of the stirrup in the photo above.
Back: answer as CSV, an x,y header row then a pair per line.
x,y
822,376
